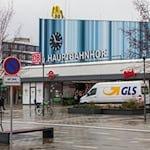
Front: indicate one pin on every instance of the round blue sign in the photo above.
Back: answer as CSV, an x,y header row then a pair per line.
x,y
11,65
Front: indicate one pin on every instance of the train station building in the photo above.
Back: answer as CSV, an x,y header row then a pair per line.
x,y
78,53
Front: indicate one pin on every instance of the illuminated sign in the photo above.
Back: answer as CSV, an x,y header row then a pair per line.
x,y
57,12
129,73
36,58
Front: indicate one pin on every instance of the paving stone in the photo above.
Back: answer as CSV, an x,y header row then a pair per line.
x,y
77,131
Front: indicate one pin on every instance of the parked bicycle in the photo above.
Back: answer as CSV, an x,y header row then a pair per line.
x,y
47,107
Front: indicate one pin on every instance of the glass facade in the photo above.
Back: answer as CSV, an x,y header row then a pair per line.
x,y
90,40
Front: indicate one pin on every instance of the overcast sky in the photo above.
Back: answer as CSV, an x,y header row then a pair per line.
x,y
28,12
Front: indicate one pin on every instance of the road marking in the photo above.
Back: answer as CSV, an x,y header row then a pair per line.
x,y
113,138
65,142
133,142
61,132
86,147
101,133
142,139
80,126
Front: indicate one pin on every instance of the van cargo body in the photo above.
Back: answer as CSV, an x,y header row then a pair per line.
x,y
115,92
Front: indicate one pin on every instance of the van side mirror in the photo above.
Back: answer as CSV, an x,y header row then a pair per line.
x,y
88,94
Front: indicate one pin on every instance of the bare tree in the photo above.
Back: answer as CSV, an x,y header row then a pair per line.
x,y
6,14
139,38
143,8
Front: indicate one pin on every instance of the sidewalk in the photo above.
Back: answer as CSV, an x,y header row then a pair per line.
x,y
26,114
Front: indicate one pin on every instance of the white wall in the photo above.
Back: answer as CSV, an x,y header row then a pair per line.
x,y
26,95
76,69
39,92
93,68
32,91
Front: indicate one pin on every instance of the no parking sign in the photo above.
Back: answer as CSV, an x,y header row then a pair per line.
x,y
11,65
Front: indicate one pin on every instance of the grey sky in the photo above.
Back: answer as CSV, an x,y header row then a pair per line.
x,y
28,12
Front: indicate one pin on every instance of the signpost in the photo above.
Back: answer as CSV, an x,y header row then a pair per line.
x,y
37,59
11,66
144,79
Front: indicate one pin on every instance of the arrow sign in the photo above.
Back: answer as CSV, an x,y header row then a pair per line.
x,y
11,65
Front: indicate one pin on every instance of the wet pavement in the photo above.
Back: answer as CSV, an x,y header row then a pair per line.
x,y
77,131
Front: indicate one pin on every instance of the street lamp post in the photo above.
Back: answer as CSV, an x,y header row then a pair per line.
x,y
144,79
43,86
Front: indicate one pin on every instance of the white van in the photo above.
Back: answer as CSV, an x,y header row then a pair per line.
x,y
115,92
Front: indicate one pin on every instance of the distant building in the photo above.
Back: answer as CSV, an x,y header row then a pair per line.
x,y
20,48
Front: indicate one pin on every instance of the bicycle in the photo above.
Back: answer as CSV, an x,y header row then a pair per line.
x,y
47,104
39,107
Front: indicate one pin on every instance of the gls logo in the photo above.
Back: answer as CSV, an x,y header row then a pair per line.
x,y
127,90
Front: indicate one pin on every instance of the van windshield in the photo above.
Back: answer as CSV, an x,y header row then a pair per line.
x,y
92,92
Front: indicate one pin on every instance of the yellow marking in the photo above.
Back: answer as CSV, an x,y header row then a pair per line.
x,y
113,91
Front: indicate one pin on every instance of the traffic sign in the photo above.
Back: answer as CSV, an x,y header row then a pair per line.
x,y
51,74
11,65
11,80
140,97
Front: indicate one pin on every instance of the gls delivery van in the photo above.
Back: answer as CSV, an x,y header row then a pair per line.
x,y
115,92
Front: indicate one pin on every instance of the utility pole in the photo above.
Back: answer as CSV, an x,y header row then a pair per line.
x,y
144,80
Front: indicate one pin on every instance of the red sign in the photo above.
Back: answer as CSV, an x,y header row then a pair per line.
x,y
11,65
36,58
51,74
140,97
129,73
